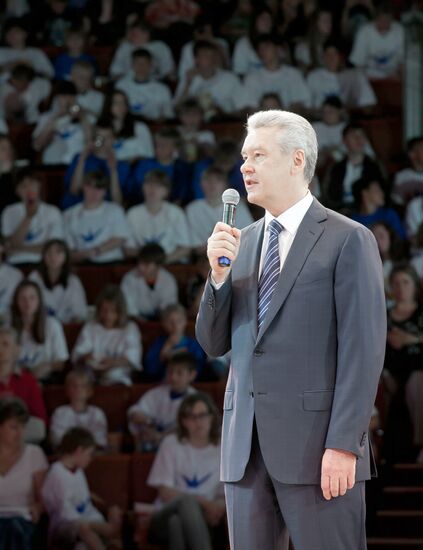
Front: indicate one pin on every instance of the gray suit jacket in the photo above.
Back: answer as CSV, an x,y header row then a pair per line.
x,y
310,375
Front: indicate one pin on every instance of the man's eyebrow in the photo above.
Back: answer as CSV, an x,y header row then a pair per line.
x,y
254,148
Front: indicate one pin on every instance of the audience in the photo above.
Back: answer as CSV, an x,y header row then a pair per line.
x,y
10,277
109,346
309,53
409,181
78,413
22,468
149,288
7,172
63,293
75,44
196,142
89,99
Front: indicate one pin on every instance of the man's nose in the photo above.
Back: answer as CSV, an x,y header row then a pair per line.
x,y
246,167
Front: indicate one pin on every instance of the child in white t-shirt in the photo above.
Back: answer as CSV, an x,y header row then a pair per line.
x,y
154,415
196,143
149,288
78,413
110,345
66,496
186,474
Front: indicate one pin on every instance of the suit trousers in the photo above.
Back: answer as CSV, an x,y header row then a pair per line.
x,y
264,513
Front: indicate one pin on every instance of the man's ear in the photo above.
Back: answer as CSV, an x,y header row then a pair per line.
x,y
298,162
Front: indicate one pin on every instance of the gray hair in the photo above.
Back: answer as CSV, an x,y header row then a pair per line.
x,y
297,133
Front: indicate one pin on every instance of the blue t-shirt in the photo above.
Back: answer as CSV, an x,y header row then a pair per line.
x,y
387,215
64,62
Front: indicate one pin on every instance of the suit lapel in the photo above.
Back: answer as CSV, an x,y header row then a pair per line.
x,y
307,236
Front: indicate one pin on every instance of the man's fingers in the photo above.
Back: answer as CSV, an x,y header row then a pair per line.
x,y
325,484
343,486
334,486
351,481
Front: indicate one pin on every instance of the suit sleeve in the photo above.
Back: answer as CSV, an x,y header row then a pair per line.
x,y
213,325
361,331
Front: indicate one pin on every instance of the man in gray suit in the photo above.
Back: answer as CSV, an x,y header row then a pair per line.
x,y
302,310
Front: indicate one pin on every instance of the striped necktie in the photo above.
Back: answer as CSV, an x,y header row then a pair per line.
x,y
270,272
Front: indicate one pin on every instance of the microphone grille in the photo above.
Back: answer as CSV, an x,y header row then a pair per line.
x,y
230,196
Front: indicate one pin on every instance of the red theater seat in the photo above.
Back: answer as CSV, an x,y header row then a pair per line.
x,y
109,478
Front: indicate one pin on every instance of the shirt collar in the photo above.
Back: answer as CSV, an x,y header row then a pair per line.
x,y
291,218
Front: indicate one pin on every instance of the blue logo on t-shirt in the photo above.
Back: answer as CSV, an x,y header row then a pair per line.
x,y
194,483
91,235
32,235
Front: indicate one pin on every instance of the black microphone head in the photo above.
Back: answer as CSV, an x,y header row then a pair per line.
x,y
230,196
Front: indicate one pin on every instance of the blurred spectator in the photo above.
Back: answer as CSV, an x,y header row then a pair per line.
x,y
159,221
63,293
96,230
218,91
166,146
203,214
333,79
417,252
20,383
355,165
161,14
28,224
149,288
61,132
369,200
110,345
98,156
174,322
10,277
185,471
409,182
17,52
147,97
379,46
355,14
23,467
275,77
270,101
132,137
7,172
195,142
390,250
53,18
404,350
74,520
292,19
21,95
329,130
82,76
155,413
414,216
78,413
42,343
203,30
138,36
245,57
75,44
15,8
309,51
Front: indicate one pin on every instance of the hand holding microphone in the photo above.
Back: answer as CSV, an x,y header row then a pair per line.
x,y
223,244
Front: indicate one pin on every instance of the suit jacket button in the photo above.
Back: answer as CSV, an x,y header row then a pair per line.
x,y
258,352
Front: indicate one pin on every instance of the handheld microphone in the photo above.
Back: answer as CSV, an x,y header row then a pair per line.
x,y
230,199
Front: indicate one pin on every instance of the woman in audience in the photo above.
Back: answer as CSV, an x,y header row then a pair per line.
x,y
43,348
10,277
22,468
309,52
186,474
110,345
63,293
404,351
132,138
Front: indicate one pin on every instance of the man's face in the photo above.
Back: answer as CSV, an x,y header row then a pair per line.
x,y
266,170
141,67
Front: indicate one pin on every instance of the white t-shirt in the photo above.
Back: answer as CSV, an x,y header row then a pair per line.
x,y
66,304
302,53
188,469
168,228
17,485
53,349
36,57
38,90
10,277
46,224
380,54
351,86
407,183
68,139
187,60
331,137
92,101
92,419
101,342
223,89
66,497
150,99
140,145
417,263
163,63
202,218
88,228
144,301
414,215
286,81
245,59
158,405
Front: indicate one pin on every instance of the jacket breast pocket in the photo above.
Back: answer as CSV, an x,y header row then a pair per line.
x,y
228,401
317,400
